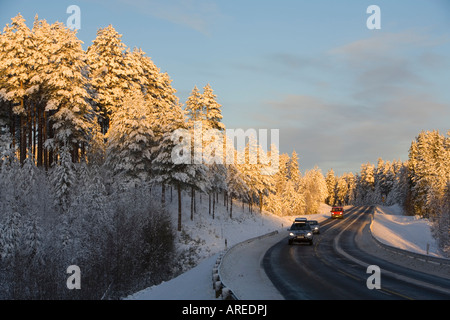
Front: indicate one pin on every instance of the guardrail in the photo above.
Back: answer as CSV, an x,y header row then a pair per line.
x,y
221,289
413,255
410,254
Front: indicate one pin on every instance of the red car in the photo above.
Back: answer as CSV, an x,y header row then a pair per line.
x,y
337,212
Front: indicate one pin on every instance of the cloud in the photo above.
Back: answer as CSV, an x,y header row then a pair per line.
x,y
198,15
388,60
380,46
345,135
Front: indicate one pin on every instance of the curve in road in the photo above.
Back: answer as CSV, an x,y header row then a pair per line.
x,y
336,268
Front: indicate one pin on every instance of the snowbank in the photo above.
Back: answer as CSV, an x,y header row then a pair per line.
x,y
209,235
389,226
194,284
409,233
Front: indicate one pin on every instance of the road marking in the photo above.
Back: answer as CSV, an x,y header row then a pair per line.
x,y
349,275
391,274
390,292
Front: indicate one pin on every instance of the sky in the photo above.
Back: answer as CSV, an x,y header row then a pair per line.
x,y
339,93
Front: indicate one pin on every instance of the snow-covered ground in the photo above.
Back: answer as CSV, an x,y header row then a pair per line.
x,y
409,233
389,226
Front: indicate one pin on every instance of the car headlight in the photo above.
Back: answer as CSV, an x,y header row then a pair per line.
x,y
291,234
309,234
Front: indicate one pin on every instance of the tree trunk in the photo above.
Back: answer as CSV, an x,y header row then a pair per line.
x,y
44,138
260,202
231,207
163,194
40,142
213,205
51,152
23,139
12,118
225,196
192,203
179,206
209,212
30,132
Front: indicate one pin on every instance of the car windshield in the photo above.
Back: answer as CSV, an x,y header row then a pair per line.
x,y
312,222
300,226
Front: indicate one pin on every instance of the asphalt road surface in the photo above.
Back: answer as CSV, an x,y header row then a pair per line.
x,y
334,267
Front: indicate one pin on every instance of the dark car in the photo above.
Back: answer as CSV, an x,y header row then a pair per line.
x,y
300,232
315,227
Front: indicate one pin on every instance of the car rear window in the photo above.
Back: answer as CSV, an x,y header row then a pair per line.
x,y
300,226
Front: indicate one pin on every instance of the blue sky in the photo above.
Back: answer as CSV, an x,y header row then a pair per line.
x,y
340,94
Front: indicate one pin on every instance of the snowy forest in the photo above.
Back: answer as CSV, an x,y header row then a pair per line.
x,y
420,185
86,141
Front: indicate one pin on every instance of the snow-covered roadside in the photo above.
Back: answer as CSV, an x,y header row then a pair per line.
x,y
389,226
409,233
210,234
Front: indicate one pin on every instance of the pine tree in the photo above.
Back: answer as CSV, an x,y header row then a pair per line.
x,y
293,170
155,86
429,171
341,190
236,186
130,140
366,186
10,236
331,187
109,73
63,178
315,188
279,202
173,164
67,95
212,109
254,171
194,107
18,75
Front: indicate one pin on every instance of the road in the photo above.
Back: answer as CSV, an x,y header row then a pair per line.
x,y
335,267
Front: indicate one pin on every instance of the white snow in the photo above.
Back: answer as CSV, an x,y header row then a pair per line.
x,y
409,233
389,226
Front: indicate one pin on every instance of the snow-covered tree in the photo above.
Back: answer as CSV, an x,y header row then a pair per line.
x,y
364,192
293,170
67,93
212,109
10,236
153,83
63,178
130,140
331,187
173,164
430,171
236,186
194,107
109,73
18,80
315,189
251,163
